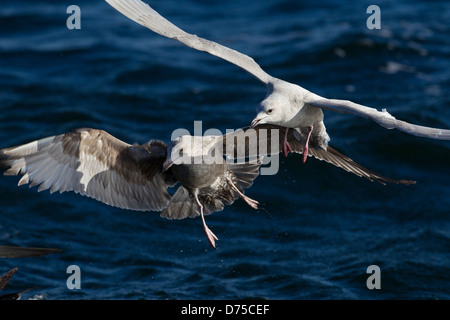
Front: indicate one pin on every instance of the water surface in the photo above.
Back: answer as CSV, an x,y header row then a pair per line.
x,y
318,228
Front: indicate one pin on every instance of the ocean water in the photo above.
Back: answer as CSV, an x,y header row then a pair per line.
x,y
318,228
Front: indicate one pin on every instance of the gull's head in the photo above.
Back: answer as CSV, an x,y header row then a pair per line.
x,y
269,115
178,151
281,104
185,148
271,110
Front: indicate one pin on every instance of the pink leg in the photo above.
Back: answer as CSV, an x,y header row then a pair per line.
x,y
306,147
286,146
209,234
252,203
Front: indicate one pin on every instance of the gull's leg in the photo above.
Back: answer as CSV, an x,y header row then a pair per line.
x,y
252,203
209,234
306,147
286,146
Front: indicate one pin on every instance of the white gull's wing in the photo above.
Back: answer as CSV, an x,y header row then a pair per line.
x,y
143,14
95,164
383,118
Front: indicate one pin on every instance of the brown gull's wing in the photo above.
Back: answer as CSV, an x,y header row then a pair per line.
x,y
23,252
4,279
234,146
93,163
339,160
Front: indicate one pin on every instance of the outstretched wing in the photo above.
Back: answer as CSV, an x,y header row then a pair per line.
x,y
95,164
143,14
269,141
6,277
22,252
383,117
339,160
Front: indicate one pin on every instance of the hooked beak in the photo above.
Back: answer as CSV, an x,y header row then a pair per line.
x,y
167,164
255,123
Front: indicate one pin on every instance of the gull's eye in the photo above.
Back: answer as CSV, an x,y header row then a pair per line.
x,y
269,111
181,151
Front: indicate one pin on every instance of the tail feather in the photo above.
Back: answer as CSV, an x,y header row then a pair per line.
x,y
184,206
181,206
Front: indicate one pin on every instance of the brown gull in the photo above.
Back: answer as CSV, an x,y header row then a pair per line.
x,y
93,163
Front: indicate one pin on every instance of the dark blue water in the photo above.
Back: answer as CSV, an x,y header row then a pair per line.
x,y
318,228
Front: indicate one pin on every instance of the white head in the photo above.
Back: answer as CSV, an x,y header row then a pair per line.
x,y
186,148
282,103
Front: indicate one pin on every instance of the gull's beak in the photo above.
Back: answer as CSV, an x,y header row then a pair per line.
x,y
254,123
167,164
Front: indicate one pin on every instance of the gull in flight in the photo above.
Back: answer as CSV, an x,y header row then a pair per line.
x,y
93,163
286,104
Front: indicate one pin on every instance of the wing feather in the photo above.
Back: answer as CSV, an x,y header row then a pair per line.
x,y
272,144
21,252
95,164
143,14
383,118
334,157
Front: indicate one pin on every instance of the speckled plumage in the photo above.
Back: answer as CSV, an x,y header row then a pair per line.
x,y
93,163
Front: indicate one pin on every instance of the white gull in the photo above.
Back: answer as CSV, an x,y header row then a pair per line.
x,y
286,104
